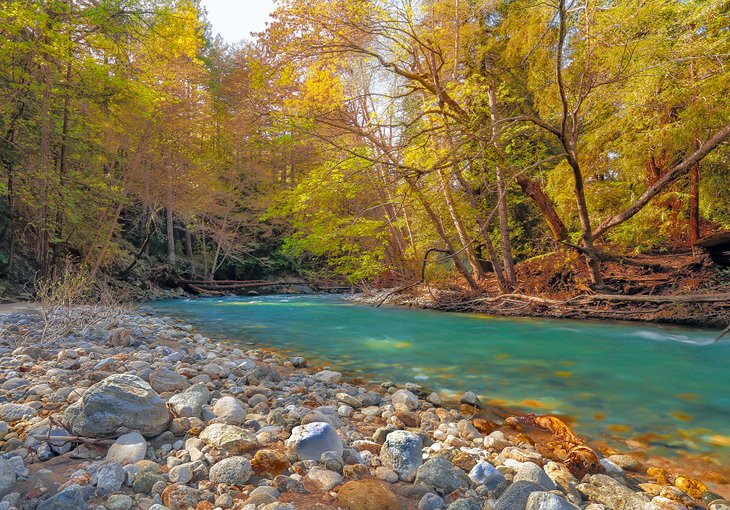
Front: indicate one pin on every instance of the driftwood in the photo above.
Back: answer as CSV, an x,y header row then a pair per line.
x,y
74,439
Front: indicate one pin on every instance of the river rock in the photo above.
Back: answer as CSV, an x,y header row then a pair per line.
x,y
7,474
188,404
230,409
604,489
127,449
464,504
232,471
120,337
367,494
71,498
110,478
401,452
232,439
165,380
548,501
325,479
119,402
516,496
430,501
16,412
180,497
310,441
119,502
405,398
269,463
471,399
531,472
484,473
442,475
328,376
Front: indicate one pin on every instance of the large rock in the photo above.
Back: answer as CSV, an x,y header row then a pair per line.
x,y
120,403
127,449
310,441
166,380
442,475
233,471
230,438
367,494
401,452
607,491
516,496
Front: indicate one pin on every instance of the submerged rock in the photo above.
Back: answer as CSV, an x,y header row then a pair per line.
x,y
120,403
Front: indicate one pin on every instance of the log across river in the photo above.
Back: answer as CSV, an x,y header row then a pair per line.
x,y
666,386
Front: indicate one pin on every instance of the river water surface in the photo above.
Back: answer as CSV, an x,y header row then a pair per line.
x,y
667,386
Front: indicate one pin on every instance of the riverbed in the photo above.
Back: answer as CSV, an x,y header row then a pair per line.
x,y
665,387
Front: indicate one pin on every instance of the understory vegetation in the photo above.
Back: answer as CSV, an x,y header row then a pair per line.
x,y
375,140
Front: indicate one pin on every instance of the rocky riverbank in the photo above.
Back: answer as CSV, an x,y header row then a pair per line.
x,y
142,412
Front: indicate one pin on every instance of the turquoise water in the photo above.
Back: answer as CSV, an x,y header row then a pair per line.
x,y
617,380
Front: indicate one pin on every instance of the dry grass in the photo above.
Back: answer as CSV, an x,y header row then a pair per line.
x,y
72,302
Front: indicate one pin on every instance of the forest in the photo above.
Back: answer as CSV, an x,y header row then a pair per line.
x,y
472,142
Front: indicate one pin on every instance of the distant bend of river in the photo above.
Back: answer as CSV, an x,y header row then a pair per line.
x,y
667,386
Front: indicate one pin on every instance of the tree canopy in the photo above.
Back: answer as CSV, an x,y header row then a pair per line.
x,y
355,137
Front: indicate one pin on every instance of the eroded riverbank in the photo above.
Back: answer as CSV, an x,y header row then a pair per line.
x,y
228,427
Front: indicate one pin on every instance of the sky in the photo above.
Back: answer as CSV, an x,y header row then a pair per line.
x,y
234,20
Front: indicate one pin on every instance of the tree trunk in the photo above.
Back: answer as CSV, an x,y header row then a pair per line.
x,y
502,211
62,166
46,167
546,206
694,204
675,173
170,237
484,231
189,248
442,233
466,242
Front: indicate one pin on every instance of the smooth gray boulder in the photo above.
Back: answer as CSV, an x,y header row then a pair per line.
x,y
120,403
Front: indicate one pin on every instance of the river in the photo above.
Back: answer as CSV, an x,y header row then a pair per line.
x,y
667,387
